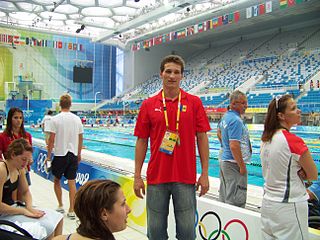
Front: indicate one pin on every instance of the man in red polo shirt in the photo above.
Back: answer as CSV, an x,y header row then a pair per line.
x,y
173,120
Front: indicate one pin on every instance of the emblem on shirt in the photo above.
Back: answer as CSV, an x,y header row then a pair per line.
x,y
183,108
158,109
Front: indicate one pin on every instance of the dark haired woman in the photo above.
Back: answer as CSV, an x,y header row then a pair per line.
x,y
14,130
286,162
102,210
12,177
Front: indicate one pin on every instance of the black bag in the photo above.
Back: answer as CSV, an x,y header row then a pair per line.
x,y
7,235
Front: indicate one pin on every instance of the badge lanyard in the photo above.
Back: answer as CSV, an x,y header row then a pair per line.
x,y
166,114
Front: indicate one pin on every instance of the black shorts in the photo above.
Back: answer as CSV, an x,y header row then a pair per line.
x,y
65,165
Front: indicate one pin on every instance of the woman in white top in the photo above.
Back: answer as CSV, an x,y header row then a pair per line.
x,y
286,162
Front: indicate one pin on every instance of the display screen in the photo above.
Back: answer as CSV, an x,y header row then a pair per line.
x,y
82,74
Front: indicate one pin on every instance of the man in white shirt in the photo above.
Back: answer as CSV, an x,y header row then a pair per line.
x,y
45,125
66,136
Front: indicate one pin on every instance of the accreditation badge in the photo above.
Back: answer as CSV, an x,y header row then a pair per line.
x,y
169,141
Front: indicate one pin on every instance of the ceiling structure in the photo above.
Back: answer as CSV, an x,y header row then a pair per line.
x,y
117,22
124,22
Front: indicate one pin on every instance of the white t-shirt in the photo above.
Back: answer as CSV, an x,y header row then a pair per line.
x,y
280,166
45,122
67,127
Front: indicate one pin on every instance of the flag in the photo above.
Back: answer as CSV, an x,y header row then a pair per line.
x,y
145,44
283,4
255,10
181,33
215,22
291,3
249,12
269,7
173,35
190,30
10,38
231,18
200,27
151,43
167,37
22,40
262,9
219,20
15,39
133,47
225,19
195,28
236,16
157,40
208,25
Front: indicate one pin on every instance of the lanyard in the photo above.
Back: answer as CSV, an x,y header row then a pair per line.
x,y
165,111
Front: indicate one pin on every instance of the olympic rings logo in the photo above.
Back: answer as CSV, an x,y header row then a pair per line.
x,y
41,166
216,233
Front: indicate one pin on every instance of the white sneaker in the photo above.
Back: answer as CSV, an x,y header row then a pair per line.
x,y
60,210
71,215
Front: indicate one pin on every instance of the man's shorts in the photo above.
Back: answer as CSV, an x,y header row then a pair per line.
x,y
65,165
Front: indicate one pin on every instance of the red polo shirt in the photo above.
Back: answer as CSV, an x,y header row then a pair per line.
x,y
181,165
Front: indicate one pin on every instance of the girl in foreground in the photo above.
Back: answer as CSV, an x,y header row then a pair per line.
x,y
102,210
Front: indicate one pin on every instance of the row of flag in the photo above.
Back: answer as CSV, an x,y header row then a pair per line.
x,y
188,31
289,3
211,24
22,41
258,10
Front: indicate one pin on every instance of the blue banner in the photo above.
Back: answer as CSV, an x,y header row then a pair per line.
x,y
39,157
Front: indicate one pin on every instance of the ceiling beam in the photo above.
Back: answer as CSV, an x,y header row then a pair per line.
x,y
148,17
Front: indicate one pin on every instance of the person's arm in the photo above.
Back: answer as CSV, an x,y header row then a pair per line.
x,y
5,208
308,166
50,145
219,135
80,147
237,155
140,154
1,146
23,189
203,148
10,210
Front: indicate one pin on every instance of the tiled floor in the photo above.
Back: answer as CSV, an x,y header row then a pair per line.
x,y
43,196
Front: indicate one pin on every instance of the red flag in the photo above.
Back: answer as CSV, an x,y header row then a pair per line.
x,y
219,20
236,16
262,9
291,3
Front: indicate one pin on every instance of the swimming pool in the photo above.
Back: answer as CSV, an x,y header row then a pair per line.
x,y
120,142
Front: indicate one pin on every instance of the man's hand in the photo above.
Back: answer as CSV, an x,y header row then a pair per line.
x,y
203,183
139,187
243,169
302,174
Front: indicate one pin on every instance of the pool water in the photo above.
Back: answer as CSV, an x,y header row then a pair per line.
x,y
120,142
